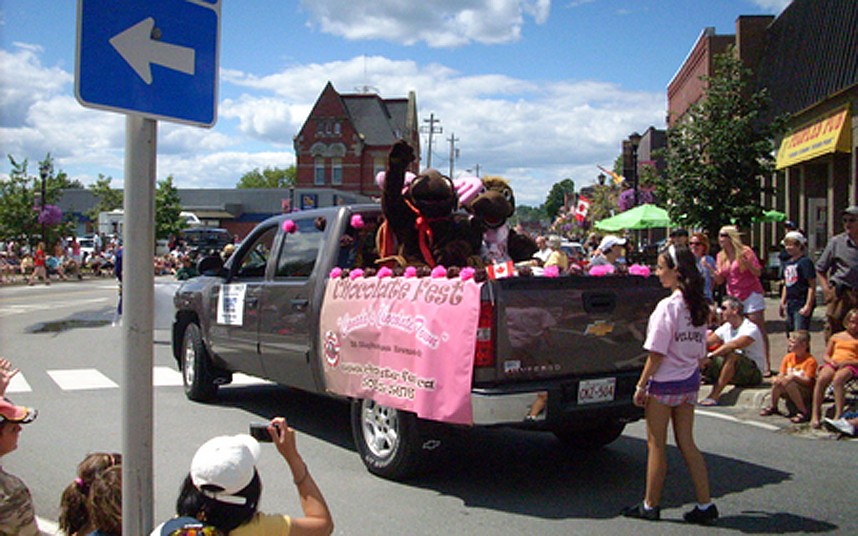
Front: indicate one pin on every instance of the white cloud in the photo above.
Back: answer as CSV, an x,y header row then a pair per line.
x,y
24,81
438,24
772,6
218,170
532,132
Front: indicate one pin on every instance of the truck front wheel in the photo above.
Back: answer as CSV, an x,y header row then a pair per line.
x,y
196,367
590,438
388,440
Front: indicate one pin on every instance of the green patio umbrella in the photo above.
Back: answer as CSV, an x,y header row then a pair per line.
x,y
772,216
645,216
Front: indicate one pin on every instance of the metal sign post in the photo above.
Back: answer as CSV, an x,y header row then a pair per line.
x,y
138,300
154,60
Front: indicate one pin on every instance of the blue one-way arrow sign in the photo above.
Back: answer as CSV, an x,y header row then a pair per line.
x,y
155,58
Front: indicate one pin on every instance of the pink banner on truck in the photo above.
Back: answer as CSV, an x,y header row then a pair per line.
x,y
406,343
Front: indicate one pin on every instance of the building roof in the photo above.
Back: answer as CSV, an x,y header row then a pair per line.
x,y
380,121
811,54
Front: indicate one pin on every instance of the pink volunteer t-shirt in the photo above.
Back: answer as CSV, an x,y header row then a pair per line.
x,y
671,333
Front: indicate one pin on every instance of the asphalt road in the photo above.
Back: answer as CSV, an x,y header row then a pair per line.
x,y
483,482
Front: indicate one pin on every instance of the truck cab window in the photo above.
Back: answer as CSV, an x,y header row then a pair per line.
x,y
357,245
299,249
252,264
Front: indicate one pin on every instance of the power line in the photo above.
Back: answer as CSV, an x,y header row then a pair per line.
x,y
454,153
431,130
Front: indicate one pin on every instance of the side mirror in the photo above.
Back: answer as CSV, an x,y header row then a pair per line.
x,y
211,265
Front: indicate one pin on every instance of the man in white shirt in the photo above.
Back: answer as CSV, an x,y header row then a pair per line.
x,y
544,251
740,355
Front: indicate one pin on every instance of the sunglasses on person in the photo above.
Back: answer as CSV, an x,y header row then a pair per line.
x,y
849,219
695,243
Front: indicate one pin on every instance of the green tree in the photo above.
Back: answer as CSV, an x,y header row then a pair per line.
x,y
557,197
268,178
719,151
525,213
107,198
168,206
21,196
603,203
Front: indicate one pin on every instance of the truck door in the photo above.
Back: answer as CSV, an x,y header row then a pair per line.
x,y
287,315
235,305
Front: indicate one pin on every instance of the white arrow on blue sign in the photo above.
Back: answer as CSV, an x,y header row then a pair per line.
x,y
154,58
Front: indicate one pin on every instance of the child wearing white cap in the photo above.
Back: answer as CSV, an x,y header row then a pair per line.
x,y
223,488
798,295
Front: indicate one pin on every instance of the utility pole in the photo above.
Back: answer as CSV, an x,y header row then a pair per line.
x,y
454,153
431,130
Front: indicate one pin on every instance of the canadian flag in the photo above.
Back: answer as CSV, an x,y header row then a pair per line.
x,y
582,208
499,270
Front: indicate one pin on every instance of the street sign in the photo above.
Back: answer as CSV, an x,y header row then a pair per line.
x,y
154,58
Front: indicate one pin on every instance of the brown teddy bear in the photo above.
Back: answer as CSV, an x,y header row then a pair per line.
x,y
491,209
423,218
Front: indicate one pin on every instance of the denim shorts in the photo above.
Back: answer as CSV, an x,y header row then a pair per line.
x,y
794,320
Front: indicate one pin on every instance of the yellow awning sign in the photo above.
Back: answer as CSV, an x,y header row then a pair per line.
x,y
825,136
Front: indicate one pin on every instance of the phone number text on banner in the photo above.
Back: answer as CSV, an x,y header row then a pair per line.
x,y
406,343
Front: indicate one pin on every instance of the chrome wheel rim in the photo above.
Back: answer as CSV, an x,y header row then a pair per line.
x,y
380,428
188,363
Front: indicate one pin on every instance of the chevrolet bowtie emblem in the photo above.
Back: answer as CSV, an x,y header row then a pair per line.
x,y
599,328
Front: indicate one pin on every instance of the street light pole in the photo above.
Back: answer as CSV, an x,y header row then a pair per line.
x,y
44,171
634,142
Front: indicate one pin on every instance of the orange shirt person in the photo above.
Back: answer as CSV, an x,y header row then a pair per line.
x,y
796,379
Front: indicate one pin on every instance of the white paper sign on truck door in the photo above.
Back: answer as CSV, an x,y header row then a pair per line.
x,y
230,304
406,343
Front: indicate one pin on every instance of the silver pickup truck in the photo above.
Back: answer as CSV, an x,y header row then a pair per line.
x,y
558,355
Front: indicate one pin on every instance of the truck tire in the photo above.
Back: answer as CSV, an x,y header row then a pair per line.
x,y
590,438
388,440
197,375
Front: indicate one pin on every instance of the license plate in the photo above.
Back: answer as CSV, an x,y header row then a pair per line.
x,y
593,391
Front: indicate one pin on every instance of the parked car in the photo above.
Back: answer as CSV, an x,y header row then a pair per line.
x,y
87,245
206,240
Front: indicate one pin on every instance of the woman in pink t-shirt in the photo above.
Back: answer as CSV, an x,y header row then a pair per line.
x,y
667,389
739,267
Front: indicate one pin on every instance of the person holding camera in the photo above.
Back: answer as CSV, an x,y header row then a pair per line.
x,y
223,488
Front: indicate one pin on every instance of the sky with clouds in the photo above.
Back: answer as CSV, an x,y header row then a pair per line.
x,y
533,90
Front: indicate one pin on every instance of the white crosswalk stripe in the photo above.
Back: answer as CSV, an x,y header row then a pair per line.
x,y
81,379
84,379
18,384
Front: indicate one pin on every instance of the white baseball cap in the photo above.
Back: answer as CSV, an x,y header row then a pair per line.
x,y
227,463
610,241
794,235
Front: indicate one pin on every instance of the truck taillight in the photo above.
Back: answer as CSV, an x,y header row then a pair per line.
x,y
484,354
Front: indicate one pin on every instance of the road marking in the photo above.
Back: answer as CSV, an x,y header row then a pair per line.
x,y
166,377
89,379
47,528
19,384
243,379
81,379
764,426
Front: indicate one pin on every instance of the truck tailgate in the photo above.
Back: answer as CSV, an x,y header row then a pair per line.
x,y
555,327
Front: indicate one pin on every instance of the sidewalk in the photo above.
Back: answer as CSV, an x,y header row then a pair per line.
x,y
745,402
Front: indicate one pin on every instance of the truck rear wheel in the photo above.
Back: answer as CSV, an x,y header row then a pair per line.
x,y
388,440
590,438
197,375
